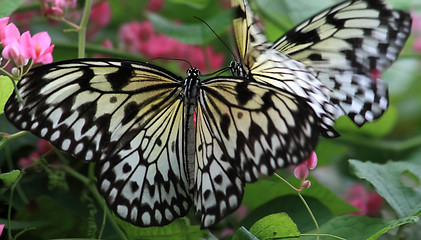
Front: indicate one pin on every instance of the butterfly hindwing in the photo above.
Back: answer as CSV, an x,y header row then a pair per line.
x,y
263,64
348,46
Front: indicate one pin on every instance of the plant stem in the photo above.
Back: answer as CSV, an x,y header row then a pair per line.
x,y
82,28
9,210
323,235
285,181
311,214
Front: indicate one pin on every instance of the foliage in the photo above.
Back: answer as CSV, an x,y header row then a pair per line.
x,y
56,196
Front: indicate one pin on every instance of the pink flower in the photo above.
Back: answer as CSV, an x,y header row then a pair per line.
x,y
18,50
155,5
301,171
1,228
101,14
369,202
3,24
57,7
43,146
24,162
41,48
133,34
21,48
142,38
99,17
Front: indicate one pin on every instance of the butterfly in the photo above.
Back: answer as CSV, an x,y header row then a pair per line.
x,y
344,48
162,143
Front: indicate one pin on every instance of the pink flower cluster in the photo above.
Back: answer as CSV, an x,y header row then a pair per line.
x,y
43,146
301,171
22,48
369,202
140,37
57,8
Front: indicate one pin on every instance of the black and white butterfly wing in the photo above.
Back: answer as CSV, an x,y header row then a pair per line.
x,y
127,117
266,65
348,46
245,129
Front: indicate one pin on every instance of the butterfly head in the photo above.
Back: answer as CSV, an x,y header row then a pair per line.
x,y
193,72
237,69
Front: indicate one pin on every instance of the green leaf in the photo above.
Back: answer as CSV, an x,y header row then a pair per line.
x,y
7,7
197,33
294,207
6,89
243,234
178,230
389,181
353,227
9,177
278,226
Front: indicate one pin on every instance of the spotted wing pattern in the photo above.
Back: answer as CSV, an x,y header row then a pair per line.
x,y
112,112
260,63
348,46
245,129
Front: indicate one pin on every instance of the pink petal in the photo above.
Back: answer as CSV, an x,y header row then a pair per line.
x,y
301,171
46,56
11,33
3,24
306,184
43,39
13,52
312,161
360,204
101,14
1,228
155,5
27,45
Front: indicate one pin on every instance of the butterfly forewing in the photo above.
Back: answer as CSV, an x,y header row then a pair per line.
x,y
246,129
249,38
124,115
348,46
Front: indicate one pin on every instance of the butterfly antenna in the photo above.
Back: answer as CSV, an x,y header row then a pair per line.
x,y
172,59
220,39
222,70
